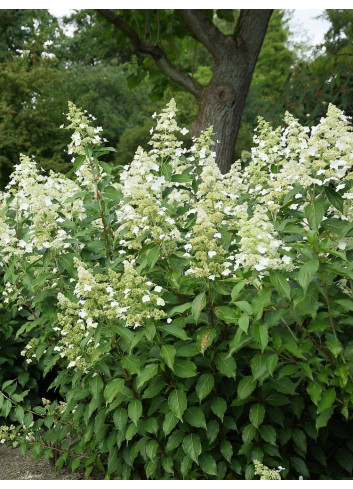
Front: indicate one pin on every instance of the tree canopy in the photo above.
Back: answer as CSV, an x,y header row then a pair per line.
x,y
96,67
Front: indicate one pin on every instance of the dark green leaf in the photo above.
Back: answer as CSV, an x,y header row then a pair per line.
x,y
246,386
184,368
208,464
195,417
177,402
192,446
225,364
112,389
314,212
131,363
257,414
146,374
197,305
226,450
135,410
218,407
169,423
268,434
307,273
204,385
280,283
168,353
326,401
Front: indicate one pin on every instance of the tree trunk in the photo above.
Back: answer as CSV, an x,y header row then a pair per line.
x,y
221,106
221,103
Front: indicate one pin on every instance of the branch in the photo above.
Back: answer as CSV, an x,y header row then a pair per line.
x,y
157,53
205,32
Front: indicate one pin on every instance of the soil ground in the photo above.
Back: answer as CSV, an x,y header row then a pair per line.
x,y
15,466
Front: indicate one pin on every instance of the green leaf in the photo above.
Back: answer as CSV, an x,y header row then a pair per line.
x,y
131,363
151,449
180,309
307,273
112,193
169,423
185,466
150,330
268,434
151,425
280,283
326,401
314,390
153,256
258,365
345,459
218,407
299,438
226,450
243,323
120,418
19,414
184,368
227,314
174,440
334,346
176,329
79,162
135,410
112,389
168,353
271,363
248,433
261,299
300,466
212,430
208,464
113,461
130,432
226,365
195,417
285,385
276,399
192,446
245,307
246,386
314,212
167,463
322,419
261,335
151,468
256,414
204,385
67,262
177,402
197,305
96,386
190,350
237,289
335,198
146,374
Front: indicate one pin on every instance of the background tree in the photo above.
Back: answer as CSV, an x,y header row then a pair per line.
x,y
222,100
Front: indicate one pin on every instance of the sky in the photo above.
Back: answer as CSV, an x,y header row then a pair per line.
x,y
305,22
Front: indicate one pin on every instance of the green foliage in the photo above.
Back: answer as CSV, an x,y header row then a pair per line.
x,y
192,324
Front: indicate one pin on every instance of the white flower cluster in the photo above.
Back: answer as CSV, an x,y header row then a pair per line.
x,y
44,203
175,205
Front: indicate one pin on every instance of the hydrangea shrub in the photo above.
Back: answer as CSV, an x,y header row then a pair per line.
x,y
191,322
